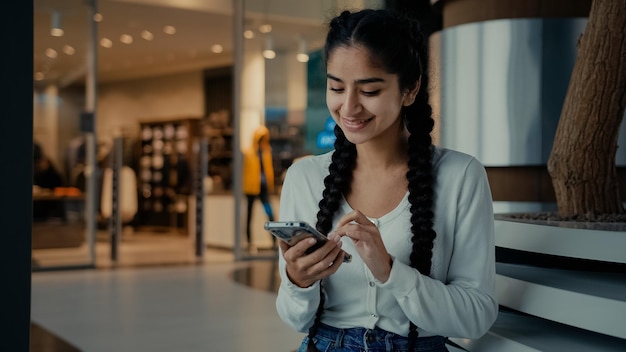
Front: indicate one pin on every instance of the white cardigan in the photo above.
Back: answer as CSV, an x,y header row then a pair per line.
x,y
457,300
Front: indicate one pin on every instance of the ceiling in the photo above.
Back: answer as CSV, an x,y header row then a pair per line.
x,y
200,24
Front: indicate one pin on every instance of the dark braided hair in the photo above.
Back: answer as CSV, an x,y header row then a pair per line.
x,y
337,183
396,44
419,123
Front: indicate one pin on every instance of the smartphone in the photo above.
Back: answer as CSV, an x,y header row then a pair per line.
x,y
293,232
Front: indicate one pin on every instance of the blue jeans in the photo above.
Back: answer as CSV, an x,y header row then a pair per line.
x,y
331,339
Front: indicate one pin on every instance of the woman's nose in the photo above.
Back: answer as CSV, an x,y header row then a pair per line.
x,y
351,104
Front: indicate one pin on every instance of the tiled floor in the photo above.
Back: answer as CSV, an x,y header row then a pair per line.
x,y
207,307
158,296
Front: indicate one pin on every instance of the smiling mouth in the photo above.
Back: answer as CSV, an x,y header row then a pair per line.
x,y
356,123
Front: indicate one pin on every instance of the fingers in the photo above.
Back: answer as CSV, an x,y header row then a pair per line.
x,y
292,253
356,226
320,259
305,269
356,217
283,246
335,264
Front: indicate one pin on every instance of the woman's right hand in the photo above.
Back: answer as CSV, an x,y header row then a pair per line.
x,y
304,269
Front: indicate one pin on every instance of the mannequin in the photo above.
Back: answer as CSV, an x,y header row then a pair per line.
x,y
258,178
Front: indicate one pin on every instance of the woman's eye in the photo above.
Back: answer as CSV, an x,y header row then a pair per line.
x,y
370,93
338,90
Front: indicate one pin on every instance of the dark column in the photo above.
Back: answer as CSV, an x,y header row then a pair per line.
x,y
16,146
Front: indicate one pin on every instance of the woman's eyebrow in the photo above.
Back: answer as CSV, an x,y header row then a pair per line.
x,y
331,77
358,81
369,80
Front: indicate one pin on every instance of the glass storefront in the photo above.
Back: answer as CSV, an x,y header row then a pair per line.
x,y
63,138
174,108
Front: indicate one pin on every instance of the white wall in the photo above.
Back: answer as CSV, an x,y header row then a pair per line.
x,y
122,105
252,91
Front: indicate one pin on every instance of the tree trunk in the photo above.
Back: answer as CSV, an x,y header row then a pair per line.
x,y
582,161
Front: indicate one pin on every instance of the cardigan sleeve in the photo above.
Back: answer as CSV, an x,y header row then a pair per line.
x,y
465,304
296,306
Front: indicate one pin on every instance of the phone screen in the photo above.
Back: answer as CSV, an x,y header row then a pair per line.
x,y
293,232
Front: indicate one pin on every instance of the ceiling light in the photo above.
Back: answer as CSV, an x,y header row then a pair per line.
x,y
57,29
217,48
268,51
147,35
126,38
51,53
302,55
248,34
265,28
106,43
56,32
171,30
68,50
97,17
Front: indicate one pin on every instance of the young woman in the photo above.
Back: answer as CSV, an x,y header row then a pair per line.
x,y
417,219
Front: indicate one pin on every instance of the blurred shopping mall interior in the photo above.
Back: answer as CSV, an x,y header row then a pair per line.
x,y
142,238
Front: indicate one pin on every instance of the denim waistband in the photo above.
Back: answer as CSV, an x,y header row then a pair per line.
x,y
376,339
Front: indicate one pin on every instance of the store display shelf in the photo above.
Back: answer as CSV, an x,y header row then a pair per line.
x,y
604,242
515,332
593,301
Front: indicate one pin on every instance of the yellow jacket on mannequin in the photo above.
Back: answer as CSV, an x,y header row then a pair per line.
x,y
258,179
252,166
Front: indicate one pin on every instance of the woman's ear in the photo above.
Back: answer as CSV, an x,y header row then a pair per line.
x,y
410,94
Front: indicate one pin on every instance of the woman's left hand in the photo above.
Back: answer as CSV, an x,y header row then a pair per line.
x,y
368,243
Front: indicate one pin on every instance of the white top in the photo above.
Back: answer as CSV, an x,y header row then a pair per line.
x,y
458,300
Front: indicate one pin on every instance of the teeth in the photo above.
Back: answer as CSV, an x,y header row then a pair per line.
x,y
356,122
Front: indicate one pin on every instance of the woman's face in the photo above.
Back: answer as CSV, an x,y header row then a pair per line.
x,y
363,99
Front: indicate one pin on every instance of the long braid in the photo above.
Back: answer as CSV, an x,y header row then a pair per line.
x,y
337,184
419,123
420,180
338,181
